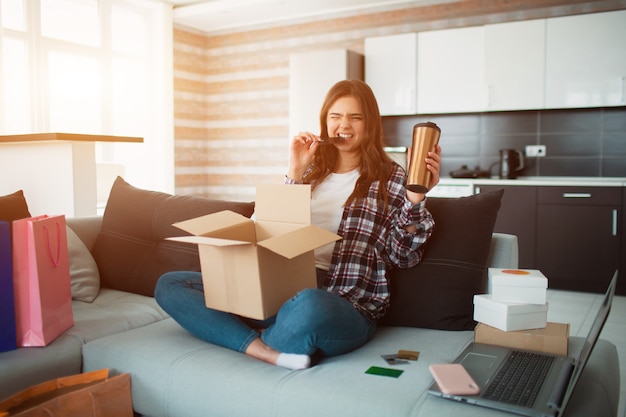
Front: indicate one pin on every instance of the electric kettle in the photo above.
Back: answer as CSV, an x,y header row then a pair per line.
x,y
511,163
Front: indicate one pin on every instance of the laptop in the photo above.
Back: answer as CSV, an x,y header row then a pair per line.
x,y
554,380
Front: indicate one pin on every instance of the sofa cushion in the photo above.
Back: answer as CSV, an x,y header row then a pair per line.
x,y
438,292
13,207
84,274
24,367
177,374
200,375
131,250
113,312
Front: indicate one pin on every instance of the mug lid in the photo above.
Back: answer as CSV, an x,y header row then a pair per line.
x,y
427,124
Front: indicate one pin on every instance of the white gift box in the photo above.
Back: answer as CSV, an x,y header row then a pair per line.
x,y
523,286
509,316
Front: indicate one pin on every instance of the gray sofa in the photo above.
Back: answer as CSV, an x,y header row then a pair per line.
x,y
177,375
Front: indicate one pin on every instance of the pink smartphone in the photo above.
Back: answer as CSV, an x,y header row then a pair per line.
x,y
453,379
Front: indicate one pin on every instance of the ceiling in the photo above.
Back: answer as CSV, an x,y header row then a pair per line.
x,y
211,16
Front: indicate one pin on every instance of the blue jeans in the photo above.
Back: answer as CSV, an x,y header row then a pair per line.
x,y
313,321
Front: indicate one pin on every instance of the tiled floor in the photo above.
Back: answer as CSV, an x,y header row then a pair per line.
x,y
579,309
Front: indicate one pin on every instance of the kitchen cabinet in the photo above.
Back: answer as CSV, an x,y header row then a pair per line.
x,y
517,216
564,62
578,236
573,234
515,65
391,72
488,68
586,60
311,75
450,71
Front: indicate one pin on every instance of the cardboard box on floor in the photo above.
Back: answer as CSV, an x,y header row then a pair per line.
x,y
251,268
551,339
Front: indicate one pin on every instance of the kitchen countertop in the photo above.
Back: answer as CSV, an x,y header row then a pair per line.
x,y
460,187
541,181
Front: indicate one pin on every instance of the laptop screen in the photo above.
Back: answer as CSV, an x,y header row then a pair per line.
x,y
592,337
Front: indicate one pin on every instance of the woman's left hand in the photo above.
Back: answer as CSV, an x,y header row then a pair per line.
x,y
433,164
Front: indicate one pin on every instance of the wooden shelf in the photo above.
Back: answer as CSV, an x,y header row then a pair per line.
x,y
56,171
44,137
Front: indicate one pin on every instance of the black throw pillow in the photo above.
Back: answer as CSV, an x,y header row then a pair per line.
x,y
131,250
438,292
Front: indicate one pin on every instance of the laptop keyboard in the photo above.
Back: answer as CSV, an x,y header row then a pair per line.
x,y
520,378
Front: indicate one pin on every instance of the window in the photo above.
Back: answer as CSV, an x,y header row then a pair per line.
x,y
74,21
96,67
12,12
15,86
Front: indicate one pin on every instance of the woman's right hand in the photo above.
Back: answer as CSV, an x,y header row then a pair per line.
x,y
301,152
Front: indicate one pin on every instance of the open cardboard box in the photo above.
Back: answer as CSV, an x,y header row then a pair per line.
x,y
251,267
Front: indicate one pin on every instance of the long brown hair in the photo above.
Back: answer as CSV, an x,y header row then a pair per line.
x,y
375,163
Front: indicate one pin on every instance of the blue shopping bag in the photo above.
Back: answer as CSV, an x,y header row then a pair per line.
x,y
7,304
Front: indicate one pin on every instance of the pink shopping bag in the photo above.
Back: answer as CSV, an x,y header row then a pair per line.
x,y
41,279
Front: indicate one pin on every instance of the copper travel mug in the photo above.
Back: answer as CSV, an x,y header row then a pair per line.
x,y
425,139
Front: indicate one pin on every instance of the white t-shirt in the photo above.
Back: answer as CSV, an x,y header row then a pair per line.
x,y
327,209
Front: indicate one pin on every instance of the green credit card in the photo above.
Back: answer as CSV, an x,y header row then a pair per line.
x,y
377,370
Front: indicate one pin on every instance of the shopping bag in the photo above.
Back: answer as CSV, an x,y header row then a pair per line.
x,y
41,280
7,306
92,394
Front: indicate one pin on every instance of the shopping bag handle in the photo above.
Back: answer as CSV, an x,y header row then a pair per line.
x,y
54,261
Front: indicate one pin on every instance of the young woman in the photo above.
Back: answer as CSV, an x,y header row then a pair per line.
x,y
358,193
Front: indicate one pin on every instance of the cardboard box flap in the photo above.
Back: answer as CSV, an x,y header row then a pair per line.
x,y
283,203
224,224
211,241
297,242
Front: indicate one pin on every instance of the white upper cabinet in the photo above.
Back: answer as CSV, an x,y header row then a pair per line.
x,y
450,71
564,62
586,60
391,72
515,65
311,75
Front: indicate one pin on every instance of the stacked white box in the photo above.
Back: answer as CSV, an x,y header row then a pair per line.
x,y
517,300
523,286
509,316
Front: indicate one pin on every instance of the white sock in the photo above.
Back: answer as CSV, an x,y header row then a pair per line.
x,y
293,361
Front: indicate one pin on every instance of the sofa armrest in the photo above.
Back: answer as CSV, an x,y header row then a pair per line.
x,y
503,252
87,228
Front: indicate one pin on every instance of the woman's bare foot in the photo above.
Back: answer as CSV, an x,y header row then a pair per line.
x,y
259,350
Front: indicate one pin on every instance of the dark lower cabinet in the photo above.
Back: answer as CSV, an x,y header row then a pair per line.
x,y
578,242
572,234
518,216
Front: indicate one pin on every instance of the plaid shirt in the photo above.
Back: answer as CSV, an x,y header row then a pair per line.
x,y
373,241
